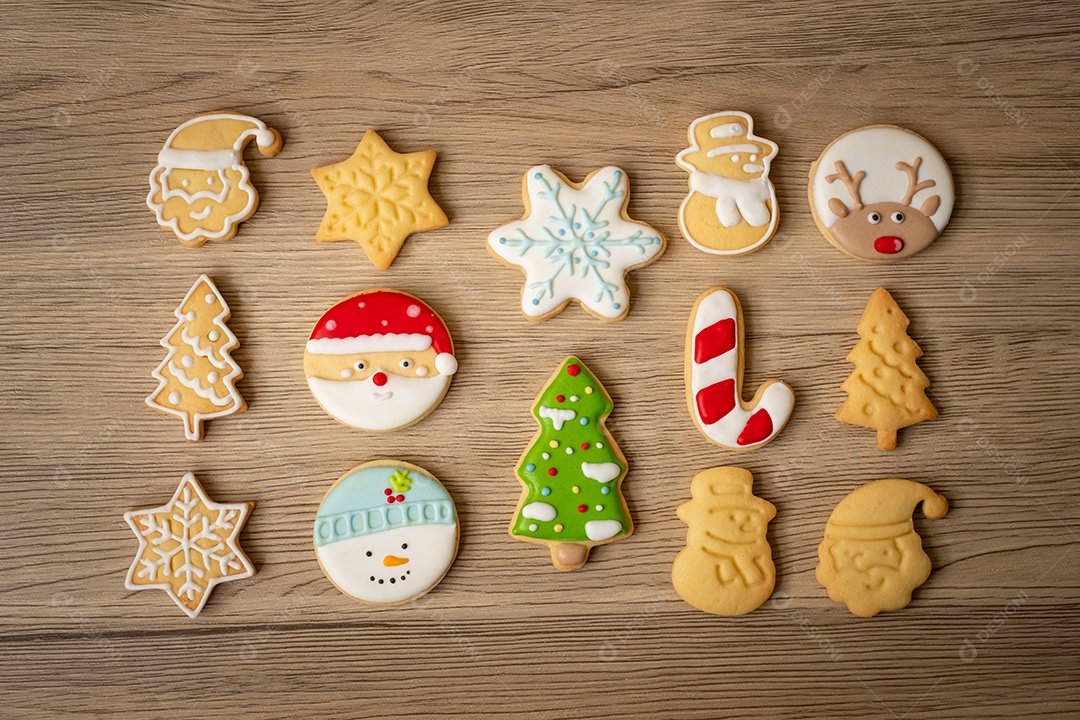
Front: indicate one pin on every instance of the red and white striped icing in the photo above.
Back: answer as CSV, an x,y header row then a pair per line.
x,y
716,382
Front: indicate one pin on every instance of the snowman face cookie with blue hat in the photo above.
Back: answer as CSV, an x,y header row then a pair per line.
x,y
386,532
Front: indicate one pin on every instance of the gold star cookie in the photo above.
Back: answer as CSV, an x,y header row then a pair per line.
x,y
188,545
378,198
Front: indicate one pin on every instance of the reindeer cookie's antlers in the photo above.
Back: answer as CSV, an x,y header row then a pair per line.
x,y
914,185
852,183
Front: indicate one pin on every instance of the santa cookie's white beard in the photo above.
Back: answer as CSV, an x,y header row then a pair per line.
x,y
431,550
364,405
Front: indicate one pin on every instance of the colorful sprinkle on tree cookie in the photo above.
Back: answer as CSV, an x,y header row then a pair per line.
x,y
378,198
572,471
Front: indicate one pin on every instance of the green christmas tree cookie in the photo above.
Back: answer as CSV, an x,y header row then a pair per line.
x,y
572,471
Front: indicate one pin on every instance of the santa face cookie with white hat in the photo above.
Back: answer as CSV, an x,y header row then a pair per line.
x,y
200,188
379,360
386,532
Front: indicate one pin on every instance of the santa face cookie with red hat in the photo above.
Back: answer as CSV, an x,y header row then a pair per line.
x,y
200,188
379,360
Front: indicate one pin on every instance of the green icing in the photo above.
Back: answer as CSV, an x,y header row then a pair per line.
x,y
593,407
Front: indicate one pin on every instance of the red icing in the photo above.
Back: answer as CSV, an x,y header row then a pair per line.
x,y
573,369
715,340
716,401
364,314
552,471
388,491
758,428
379,378
584,446
560,398
390,499
888,244
582,508
401,498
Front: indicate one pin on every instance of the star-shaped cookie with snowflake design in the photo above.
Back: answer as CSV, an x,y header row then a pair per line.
x,y
188,545
576,242
378,198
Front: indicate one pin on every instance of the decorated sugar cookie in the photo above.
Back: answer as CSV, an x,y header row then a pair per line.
x,y
200,188
726,567
197,378
731,208
188,545
572,471
379,360
887,390
871,558
386,532
714,370
575,242
378,198
881,193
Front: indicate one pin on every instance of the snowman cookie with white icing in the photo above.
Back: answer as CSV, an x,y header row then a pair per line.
x,y
386,532
379,360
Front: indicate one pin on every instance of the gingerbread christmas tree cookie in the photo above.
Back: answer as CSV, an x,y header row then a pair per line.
x,y
197,378
378,198
188,545
572,472
887,390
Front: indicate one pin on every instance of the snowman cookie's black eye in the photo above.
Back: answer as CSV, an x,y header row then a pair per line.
x,y
368,553
404,546
406,364
360,365
873,218
897,217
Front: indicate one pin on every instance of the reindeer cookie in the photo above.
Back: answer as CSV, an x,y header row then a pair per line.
x,y
881,193
731,208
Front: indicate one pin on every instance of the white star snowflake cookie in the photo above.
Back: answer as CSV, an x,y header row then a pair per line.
x,y
576,242
188,545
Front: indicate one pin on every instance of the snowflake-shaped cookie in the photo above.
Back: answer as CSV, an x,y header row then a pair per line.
x,y
378,198
576,243
188,545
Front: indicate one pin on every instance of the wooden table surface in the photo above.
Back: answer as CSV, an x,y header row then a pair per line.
x,y
88,93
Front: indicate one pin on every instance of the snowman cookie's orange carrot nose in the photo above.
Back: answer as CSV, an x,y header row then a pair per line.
x,y
394,561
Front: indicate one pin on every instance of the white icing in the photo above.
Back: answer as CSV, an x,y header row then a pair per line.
x,y
421,371
362,404
347,373
213,336
193,383
601,472
541,511
445,363
589,260
174,397
379,342
875,151
232,401
597,530
187,361
778,398
736,148
736,199
413,311
752,168
533,527
557,416
212,376
202,214
430,553
728,129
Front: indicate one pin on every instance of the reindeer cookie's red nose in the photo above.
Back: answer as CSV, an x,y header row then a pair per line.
x,y
379,378
888,244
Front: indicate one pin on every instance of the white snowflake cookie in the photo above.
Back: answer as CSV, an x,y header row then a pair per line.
x,y
576,242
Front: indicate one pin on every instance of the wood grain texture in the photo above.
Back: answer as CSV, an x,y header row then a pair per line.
x,y
88,282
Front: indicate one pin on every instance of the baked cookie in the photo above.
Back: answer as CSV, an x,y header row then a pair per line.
x,y
386,532
731,208
575,242
572,472
188,545
200,188
378,198
871,558
197,378
379,360
881,193
714,370
887,390
726,567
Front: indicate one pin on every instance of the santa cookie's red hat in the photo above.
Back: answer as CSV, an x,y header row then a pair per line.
x,y
383,321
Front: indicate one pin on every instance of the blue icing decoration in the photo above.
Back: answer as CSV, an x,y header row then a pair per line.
x,y
605,490
357,505
545,491
530,467
585,420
